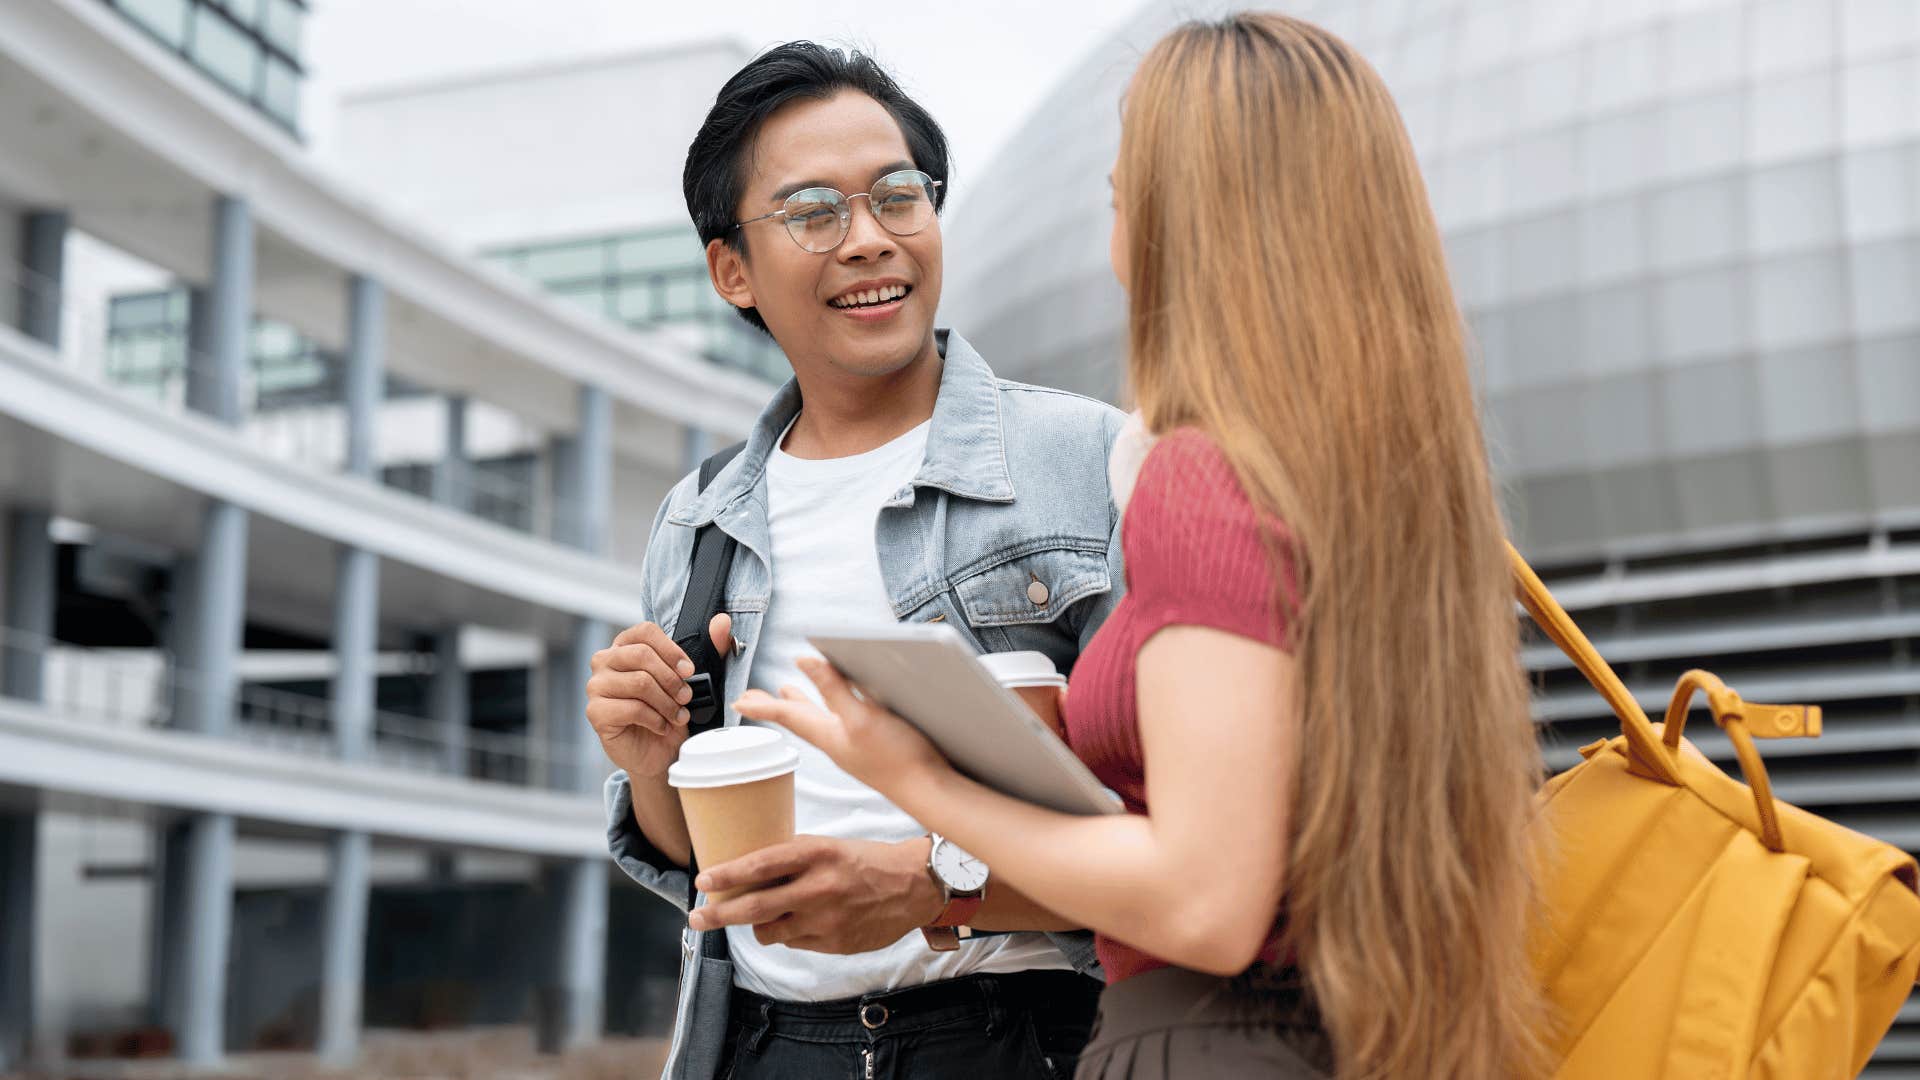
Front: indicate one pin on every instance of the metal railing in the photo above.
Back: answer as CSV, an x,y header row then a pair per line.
x,y
147,688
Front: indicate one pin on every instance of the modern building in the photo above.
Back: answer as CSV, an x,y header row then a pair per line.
x,y
312,520
1686,234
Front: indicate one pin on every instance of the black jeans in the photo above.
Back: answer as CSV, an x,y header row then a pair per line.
x,y
1029,1025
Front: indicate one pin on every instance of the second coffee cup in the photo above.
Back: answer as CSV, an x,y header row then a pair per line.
x,y
1032,676
736,787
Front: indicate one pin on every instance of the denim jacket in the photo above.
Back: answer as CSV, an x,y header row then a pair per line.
x,y
1013,491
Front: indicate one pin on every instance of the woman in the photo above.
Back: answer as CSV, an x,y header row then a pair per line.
x,y
1310,699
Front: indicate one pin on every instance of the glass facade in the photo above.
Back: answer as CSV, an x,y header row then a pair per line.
x,y
147,351
647,279
250,47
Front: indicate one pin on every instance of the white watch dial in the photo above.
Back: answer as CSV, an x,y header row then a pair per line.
x,y
962,872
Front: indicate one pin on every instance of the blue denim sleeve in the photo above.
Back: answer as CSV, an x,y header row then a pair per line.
x,y
631,849
1095,609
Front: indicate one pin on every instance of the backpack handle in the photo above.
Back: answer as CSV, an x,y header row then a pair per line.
x,y
1655,758
1743,721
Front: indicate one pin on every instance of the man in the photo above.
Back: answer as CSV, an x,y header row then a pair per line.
x,y
894,479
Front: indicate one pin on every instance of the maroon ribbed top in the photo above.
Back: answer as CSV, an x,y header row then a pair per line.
x,y
1195,556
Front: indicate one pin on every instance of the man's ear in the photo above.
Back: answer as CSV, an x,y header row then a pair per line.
x,y
728,270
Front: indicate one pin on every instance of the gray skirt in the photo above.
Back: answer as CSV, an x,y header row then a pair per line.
x,y
1174,1024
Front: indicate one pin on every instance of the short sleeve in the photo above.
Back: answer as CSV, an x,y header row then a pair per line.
x,y
1197,553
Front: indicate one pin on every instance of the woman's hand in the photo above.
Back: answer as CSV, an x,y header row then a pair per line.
x,y
873,745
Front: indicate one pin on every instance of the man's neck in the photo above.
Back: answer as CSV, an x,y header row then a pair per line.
x,y
842,415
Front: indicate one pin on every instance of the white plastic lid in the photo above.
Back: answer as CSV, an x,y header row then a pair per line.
x,y
1019,669
732,755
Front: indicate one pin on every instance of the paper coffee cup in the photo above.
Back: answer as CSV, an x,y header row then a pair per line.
x,y
736,787
1032,676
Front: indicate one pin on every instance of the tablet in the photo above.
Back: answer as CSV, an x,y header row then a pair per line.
x,y
931,678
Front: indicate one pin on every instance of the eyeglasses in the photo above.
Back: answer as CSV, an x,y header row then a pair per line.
x,y
818,217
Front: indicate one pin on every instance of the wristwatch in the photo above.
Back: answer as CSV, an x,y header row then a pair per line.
x,y
963,886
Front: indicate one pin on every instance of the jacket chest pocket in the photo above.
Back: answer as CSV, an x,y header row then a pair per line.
x,y
1017,603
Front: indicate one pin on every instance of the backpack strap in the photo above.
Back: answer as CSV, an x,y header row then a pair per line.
x,y
713,552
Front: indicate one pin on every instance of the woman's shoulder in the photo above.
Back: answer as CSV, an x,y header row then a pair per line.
x,y
1187,468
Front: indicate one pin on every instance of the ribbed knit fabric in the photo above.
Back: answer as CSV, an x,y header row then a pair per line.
x,y
1195,556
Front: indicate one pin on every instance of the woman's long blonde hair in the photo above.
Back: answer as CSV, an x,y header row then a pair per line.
x,y
1289,296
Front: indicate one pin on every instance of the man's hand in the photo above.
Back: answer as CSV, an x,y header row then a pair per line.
x,y
825,895
637,695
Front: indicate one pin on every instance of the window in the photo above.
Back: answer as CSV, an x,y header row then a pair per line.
x,y
250,47
224,51
165,19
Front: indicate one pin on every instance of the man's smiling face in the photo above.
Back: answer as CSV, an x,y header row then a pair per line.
x,y
867,306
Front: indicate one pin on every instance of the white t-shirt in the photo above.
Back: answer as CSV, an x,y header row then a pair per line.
x,y
826,573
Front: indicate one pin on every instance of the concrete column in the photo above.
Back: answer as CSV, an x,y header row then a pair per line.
x,y
696,448
211,609
450,484
215,382
210,605
43,247
31,568
593,462
563,456
356,626
206,926
344,948
576,1005
578,890
447,700
19,930
366,370
343,941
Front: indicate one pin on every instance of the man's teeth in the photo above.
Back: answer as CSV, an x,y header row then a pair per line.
x,y
870,296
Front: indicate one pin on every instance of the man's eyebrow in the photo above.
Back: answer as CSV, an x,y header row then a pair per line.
x,y
787,190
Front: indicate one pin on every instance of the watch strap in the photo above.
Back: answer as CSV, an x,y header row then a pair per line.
x,y
959,911
941,938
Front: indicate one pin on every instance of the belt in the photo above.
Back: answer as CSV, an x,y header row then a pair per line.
x,y
987,998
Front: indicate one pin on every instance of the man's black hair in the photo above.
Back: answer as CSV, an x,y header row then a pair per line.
x,y
717,162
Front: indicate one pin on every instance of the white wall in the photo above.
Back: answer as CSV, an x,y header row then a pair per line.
x,y
92,939
550,152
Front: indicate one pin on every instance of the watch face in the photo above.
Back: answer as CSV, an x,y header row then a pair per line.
x,y
962,872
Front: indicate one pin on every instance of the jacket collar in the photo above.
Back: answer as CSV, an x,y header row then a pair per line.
x,y
966,449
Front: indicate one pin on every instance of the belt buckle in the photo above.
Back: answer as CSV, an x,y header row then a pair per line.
x,y
869,1020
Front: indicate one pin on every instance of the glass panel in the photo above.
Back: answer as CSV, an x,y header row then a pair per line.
x,y
1795,207
1703,48
1613,241
1794,116
1808,395
1880,186
657,251
640,300
1703,314
225,52
1697,223
283,26
1879,103
1791,35
1546,170
1731,387
1622,72
590,297
1800,300
245,12
166,18
1879,26
1616,328
1703,134
1890,384
1540,254
1886,280
280,92
561,262
130,313
683,297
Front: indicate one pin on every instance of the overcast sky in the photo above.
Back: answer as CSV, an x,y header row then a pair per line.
x,y
978,66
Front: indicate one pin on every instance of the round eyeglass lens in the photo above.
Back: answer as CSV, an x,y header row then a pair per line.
x,y
817,218
902,202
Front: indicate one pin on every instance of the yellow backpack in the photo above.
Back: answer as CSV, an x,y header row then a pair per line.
x,y
1694,926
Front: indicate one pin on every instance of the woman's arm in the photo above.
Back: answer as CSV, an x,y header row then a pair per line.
x,y
1197,881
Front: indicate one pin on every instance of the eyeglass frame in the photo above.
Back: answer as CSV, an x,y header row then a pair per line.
x,y
932,186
